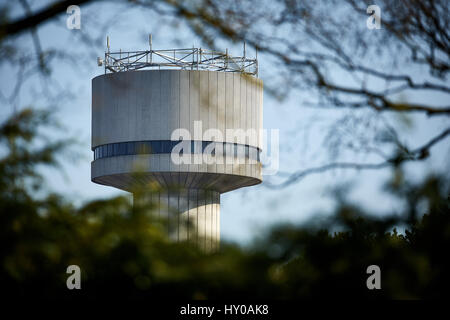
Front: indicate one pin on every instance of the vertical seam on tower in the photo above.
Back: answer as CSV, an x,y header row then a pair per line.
x,y
196,226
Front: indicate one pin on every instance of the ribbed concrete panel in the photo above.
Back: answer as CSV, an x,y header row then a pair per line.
x,y
134,106
253,111
243,117
254,121
217,206
204,111
248,111
237,104
213,110
165,106
221,102
173,106
260,110
201,218
132,98
194,100
192,215
194,107
229,116
221,113
204,101
213,223
208,220
257,111
153,105
184,100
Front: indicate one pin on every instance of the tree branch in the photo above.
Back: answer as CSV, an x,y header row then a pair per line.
x,y
417,154
32,21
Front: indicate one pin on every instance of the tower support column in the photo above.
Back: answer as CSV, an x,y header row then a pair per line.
x,y
192,215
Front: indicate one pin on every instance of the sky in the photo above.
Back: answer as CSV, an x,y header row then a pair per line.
x,y
246,212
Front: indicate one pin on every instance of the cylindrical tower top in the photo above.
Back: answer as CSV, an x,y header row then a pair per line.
x,y
136,113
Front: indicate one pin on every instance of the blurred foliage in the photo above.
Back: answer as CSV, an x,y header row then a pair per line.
x,y
123,251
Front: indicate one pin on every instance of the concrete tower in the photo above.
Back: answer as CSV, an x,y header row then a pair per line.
x,y
139,103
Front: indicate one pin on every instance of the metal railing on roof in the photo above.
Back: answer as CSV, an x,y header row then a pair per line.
x,y
184,59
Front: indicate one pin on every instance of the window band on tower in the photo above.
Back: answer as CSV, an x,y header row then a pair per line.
x,y
166,147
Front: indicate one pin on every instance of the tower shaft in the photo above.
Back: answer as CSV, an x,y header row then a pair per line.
x,y
191,214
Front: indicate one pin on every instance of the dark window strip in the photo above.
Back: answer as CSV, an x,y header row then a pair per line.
x,y
166,146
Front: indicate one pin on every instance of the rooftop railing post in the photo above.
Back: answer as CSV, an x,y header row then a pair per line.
x,y
243,60
256,61
226,59
193,57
